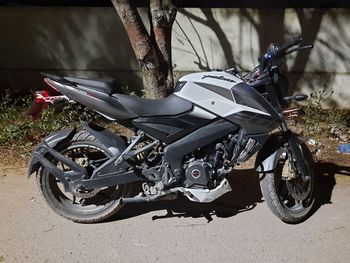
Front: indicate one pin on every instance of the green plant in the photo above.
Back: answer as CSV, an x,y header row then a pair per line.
x,y
7,109
16,128
76,112
318,120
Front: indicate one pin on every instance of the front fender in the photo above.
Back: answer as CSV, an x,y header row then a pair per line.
x,y
266,160
276,144
52,140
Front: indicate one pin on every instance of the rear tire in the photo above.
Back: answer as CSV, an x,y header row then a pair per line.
x,y
290,200
94,205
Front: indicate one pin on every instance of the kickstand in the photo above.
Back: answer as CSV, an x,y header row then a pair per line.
x,y
169,214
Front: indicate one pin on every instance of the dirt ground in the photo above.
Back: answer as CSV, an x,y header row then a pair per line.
x,y
238,227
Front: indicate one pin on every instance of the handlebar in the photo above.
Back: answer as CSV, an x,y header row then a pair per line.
x,y
274,51
291,42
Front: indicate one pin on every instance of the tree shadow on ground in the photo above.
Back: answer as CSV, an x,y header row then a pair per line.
x,y
245,196
326,181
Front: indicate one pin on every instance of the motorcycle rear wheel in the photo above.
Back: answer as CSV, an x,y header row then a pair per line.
x,y
290,199
86,206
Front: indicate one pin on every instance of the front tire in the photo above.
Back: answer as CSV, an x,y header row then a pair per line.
x,y
87,206
290,199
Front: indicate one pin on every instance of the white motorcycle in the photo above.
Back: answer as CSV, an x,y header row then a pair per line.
x,y
184,144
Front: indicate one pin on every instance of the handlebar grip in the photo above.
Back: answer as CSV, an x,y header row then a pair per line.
x,y
291,42
277,51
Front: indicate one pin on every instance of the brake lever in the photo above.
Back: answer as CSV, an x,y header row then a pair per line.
x,y
296,97
299,48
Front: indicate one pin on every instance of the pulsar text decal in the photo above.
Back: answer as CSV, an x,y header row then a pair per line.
x,y
218,77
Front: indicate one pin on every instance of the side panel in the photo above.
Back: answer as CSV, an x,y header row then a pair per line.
x,y
254,122
174,153
232,99
171,128
98,101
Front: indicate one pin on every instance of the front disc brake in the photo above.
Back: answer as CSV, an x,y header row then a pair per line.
x,y
293,190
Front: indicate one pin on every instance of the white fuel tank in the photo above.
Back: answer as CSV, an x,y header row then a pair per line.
x,y
213,92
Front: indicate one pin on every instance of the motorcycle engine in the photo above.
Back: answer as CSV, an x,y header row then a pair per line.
x,y
198,174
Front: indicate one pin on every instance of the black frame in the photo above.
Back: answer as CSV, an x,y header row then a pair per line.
x,y
195,3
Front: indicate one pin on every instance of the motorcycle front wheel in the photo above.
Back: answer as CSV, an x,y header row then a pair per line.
x,y
84,206
289,197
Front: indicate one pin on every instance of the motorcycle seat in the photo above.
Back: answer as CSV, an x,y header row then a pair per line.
x,y
107,86
169,106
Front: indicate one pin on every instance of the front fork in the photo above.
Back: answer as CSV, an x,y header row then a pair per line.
x,y
294,152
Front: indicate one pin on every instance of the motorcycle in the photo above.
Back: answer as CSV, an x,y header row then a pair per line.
x,y
184,144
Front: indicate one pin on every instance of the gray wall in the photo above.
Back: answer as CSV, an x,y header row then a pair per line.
x,y
91,42
80,41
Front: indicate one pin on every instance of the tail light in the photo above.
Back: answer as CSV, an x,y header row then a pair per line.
x,y
41,100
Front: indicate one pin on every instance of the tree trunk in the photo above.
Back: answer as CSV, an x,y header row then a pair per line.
x,y
152,50
163,15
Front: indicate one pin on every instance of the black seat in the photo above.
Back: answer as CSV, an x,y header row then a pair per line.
x,y
170,106
106,86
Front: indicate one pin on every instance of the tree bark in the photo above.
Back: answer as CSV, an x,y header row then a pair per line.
x,y
152,50
163,15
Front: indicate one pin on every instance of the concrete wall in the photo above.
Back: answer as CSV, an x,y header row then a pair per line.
x,y
85,42
91,42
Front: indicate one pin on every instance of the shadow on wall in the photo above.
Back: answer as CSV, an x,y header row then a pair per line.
x,y
311,68
209,21
91,42
81,42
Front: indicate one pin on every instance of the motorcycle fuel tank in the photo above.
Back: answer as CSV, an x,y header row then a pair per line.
x,y
229,97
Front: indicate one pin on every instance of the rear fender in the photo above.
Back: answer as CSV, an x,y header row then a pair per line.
x,y
107,175
110,140
51,141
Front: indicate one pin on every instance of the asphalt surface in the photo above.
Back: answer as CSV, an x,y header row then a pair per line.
x,y
238,228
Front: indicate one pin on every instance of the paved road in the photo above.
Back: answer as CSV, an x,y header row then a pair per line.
x,y
224,232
